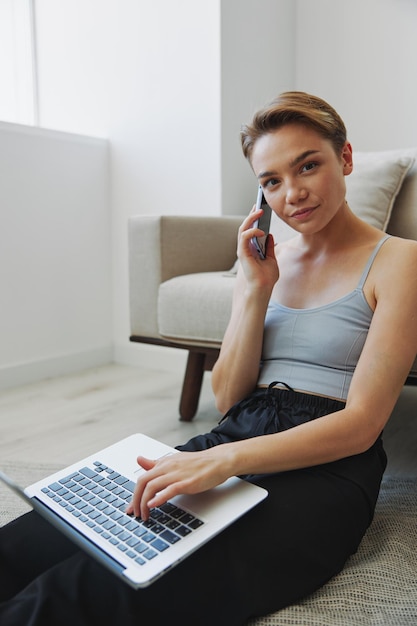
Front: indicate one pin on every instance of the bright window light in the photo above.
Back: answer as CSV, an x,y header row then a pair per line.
x,y
18,100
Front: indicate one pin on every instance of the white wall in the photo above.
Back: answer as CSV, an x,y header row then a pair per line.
x,y
144,74
257,63
361,56
55,254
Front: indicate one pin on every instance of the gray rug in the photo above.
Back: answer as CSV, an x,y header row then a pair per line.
x,y
24,474
378,586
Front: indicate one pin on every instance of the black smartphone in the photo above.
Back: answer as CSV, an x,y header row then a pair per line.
x,y
263,223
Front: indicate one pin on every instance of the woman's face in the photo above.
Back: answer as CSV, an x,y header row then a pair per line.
x,y
301,175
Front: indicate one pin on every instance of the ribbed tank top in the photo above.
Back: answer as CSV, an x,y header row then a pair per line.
x,y
317,349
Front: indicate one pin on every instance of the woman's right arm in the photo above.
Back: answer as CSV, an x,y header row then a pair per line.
x,y
236,371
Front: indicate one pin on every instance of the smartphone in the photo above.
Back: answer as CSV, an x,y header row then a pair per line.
x,y
263,223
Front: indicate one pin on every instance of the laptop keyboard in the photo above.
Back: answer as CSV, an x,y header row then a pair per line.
x,y
98,497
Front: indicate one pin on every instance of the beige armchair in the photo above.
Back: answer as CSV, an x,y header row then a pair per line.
x,y
180,280
181,289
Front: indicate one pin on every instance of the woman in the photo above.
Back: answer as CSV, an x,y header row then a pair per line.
x,y
312,363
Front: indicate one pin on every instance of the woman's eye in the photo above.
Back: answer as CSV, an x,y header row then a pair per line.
x,y
308,167
272,182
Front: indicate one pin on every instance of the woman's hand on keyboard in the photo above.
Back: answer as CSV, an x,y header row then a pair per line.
x,y
175,474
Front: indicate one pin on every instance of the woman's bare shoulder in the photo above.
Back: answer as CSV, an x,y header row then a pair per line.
x,y
400,249
397,263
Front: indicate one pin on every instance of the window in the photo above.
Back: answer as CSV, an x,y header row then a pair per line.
x,y
18,101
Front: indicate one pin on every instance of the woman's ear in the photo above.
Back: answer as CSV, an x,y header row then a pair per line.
x,y
347,159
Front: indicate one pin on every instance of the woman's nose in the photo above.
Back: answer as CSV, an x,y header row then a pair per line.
x,y
295,193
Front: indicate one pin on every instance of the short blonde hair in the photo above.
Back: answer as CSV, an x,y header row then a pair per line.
x,y
295,107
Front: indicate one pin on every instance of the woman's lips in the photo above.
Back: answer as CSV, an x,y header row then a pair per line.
x,y
303,214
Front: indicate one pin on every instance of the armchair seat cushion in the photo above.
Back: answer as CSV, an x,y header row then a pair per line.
x,y
195,308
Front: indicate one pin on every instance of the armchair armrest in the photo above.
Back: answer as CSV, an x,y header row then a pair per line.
x,y
162,247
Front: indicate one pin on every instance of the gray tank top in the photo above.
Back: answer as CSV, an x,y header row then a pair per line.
x,y
316,350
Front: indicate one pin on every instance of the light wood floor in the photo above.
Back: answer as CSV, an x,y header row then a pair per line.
x,y
62,420
67,418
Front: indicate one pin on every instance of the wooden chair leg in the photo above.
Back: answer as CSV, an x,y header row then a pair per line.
x,y
191,387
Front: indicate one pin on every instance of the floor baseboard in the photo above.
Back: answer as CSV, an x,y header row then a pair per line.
x,y
35,371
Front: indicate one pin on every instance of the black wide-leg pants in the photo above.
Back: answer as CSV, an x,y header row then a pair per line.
x,y
282,550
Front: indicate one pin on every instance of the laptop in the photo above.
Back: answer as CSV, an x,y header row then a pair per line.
x,y
87,500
